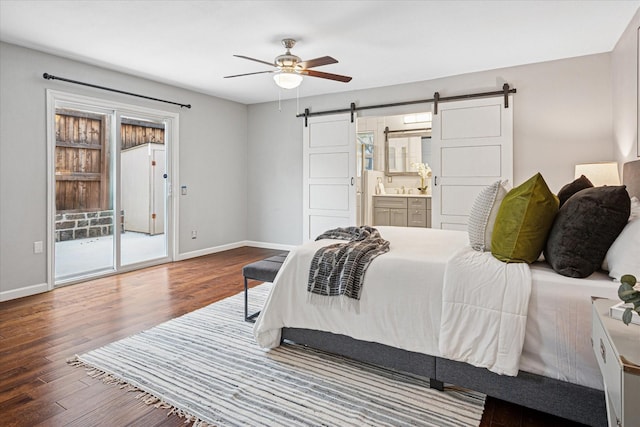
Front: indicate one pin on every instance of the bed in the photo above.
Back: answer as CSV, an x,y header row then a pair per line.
x,y
399,329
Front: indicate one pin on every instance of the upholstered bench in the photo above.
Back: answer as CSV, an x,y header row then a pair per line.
x,y
263,271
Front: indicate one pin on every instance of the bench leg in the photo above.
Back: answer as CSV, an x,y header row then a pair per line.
x,y
436,384
248,317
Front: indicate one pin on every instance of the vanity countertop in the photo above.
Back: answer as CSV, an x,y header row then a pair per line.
x,y
403,195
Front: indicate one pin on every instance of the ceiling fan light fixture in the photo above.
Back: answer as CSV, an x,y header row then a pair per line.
x,y
287,79
290,68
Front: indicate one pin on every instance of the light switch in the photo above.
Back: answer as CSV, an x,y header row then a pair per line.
x,y
183,190
37,247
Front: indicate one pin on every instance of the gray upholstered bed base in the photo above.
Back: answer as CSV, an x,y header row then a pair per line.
x,y
577,403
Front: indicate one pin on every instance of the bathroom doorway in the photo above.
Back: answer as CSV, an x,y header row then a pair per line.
x,y
374,159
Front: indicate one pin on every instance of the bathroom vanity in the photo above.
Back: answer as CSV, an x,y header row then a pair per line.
x,y
402,210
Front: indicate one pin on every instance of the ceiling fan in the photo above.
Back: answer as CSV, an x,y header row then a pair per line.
x,y
290,68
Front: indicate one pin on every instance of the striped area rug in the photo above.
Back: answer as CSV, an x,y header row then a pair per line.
x,y
206,367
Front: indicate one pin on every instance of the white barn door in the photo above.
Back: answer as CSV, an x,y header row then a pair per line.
x,y
329,168
472,144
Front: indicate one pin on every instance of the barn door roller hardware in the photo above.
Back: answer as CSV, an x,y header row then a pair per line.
x,y
506,90
48,76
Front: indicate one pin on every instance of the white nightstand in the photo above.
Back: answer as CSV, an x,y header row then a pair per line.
x,y
617,349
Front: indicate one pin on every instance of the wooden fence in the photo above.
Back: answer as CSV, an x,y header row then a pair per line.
x,y
83,155
82,158
137,132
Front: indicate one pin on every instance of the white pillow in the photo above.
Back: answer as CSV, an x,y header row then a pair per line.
x,y
635,208
483,215
623,257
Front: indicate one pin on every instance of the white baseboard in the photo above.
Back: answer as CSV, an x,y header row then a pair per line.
x,y
208,251
23,292
267,245
215,249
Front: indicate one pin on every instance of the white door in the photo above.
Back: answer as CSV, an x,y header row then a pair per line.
x,y
472,144
329,174
134,177
158,171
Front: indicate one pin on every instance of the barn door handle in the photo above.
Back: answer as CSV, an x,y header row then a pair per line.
x,y
435,181
351,181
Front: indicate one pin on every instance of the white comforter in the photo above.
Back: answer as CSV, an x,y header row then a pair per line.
x,y
484,311
401,300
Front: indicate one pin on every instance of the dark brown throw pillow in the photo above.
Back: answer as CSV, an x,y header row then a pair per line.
x,y
572,188
584,229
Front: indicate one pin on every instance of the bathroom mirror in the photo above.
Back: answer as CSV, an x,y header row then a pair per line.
x,y
402,148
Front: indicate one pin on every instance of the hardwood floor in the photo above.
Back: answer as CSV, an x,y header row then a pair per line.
x,y
39,333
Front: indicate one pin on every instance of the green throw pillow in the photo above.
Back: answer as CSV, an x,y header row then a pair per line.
x,y
523,222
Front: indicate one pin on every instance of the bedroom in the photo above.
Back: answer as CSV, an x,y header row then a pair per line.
x,y
581,109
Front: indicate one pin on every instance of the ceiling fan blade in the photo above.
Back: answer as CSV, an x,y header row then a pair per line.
x,y
256,60
248,74
329,76
325,60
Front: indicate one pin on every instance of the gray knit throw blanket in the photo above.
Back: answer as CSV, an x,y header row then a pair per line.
x,y
338,269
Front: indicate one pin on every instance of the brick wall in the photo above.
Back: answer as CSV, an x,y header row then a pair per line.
x,y
81,225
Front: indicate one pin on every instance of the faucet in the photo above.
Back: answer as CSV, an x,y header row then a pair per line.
x,y
403,190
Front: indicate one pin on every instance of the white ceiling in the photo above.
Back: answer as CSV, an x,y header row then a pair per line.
x,y
379,43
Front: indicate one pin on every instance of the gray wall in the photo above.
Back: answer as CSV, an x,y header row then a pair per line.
x,y
624,67
213,151
562,116
231,153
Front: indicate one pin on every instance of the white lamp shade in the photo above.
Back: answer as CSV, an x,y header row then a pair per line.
x,y
287,80
599,174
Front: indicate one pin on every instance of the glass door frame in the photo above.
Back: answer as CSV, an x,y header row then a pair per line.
x,y
57,99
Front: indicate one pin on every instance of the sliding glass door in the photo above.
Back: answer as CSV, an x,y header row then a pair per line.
x,y
109,187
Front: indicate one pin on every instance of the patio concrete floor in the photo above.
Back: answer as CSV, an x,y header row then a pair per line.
x,y
82,256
